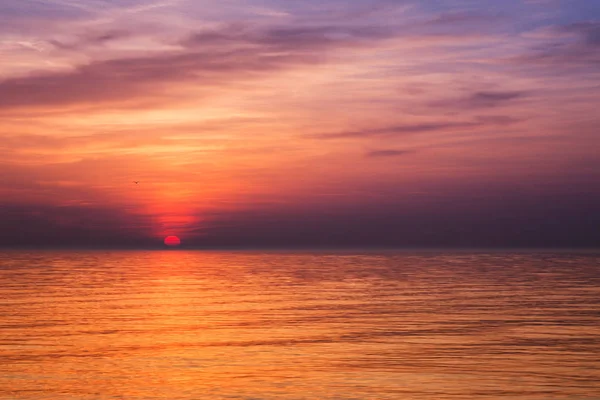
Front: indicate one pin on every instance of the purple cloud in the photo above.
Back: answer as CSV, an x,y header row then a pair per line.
x,y
420,128
212,66
387,153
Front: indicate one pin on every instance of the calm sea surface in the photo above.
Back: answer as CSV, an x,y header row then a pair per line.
x,y
249,325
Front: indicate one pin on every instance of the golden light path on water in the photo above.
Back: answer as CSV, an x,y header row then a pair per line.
x,y
252,325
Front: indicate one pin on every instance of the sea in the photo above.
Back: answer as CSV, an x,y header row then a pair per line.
x,y
250,325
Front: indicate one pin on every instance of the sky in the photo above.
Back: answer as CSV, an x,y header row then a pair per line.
x,y
283,123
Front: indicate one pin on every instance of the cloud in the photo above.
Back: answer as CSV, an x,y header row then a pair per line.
x,y
127,78
481,99
287,38
72,226
41,9
407,129
211,59
91,39
482,215
497,119
398,130
575,45
426,127
462,17
387,153
589,32
492,99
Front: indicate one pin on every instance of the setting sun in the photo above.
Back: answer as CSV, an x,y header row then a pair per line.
x,y
172,241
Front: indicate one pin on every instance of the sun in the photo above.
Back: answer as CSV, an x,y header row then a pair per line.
x,y
172,241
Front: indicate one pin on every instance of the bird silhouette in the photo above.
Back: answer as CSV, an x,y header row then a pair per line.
x,y
136,182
